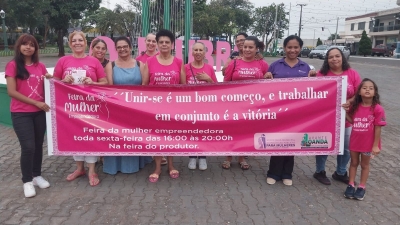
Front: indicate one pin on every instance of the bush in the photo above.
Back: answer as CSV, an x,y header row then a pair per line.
x,y
39,38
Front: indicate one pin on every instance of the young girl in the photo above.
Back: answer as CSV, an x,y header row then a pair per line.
x,y
367,116
24,75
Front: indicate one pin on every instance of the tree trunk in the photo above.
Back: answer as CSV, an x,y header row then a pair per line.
x,y
46,30
60,42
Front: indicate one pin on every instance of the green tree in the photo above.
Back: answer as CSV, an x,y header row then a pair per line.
x,y
319,42
264,20
61,12
332,37
365,45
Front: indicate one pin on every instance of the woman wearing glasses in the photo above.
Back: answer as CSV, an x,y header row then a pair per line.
x,y
164,69
125,71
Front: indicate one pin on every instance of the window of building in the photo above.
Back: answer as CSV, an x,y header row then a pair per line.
x,y
352,26
371,24
361,26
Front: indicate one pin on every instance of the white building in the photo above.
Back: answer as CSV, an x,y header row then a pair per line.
x,y
386,27
382,27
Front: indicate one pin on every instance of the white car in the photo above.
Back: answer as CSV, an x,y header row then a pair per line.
x,y
344,49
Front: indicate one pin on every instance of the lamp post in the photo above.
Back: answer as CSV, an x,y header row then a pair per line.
x,y
3,16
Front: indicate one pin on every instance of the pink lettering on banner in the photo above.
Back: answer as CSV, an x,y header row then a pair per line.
x,y
110,46
258,117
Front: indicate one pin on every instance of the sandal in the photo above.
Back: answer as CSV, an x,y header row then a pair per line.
x,y
153,178
174,174
94,180
164,161
75,175
244,165
226,165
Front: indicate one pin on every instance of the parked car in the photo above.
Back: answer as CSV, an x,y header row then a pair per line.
x,y
305,52
380,50
344,49
280,51
318,51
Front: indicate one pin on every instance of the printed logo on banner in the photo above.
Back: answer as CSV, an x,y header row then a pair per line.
x,y
295,141
314,141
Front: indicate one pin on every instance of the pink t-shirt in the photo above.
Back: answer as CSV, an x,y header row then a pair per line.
x,y
33,87
363,132
67,64
353,80
162,74
143,58
191,77
245,70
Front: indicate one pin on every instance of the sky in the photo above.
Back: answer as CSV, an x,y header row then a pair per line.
x,y
316,13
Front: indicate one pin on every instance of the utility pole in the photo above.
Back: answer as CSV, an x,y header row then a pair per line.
x,y
275,26
301,14
290,10
337,24
313,39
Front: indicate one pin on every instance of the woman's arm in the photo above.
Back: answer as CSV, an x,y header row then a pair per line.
x,y
225,66
183,75
109,73
145,75
13,93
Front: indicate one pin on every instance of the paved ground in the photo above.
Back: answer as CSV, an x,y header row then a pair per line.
x,y
215,196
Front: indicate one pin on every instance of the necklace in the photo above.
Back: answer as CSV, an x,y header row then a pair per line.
x,y
29,64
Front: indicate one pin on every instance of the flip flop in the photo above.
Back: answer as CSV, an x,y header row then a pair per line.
x,y
153,178
174,174
244,165
94,180
75,175
226,165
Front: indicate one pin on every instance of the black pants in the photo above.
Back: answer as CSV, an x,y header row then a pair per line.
x,y
30,128
281,167
195,157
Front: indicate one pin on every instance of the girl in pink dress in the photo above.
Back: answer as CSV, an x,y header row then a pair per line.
x,y
164,69
367,116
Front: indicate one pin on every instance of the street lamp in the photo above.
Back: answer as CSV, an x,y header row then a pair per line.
x,y
3,16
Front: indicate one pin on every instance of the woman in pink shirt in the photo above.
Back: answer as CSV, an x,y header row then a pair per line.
x,y
335,64
151,49
164,69
24,76
198,72
246,68
95,75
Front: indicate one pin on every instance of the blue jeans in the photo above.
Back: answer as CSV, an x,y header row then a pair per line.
x,y
342,160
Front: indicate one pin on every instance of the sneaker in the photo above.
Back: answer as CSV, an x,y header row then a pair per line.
x,y
29,190
41,182
271,180
287,182
359,194
349,193
343,178
202,164
192,163
321,177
